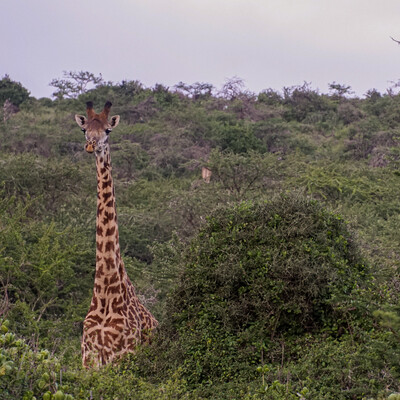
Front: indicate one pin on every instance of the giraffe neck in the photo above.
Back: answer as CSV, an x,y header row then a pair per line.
x,y
109,268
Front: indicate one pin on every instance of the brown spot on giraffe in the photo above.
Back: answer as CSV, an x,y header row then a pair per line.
x,y
109,246
110,263
113,279
97,288
110,231
116,322
106,184
99,271
106,196
107,217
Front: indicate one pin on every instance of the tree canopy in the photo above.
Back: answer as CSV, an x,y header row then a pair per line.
x,y
12,91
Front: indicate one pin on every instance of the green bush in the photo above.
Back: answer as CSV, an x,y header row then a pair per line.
x,y
238,138
56,184
358,365
45,276
27,374
256,274
12,91
300,101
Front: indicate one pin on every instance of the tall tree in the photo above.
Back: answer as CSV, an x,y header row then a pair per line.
x,y
12,91
74,83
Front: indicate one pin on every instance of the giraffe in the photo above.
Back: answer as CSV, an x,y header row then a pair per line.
x,y
116,322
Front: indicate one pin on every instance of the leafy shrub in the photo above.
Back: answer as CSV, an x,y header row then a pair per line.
x,y
270,97
258,273
242,174
348,112
303,100
238,138
45,276
54,181
34,374
24,373
12,91
355,366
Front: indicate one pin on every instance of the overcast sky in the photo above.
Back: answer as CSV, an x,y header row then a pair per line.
x,y
269,44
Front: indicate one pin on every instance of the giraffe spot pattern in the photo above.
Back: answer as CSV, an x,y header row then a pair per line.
x,y
108,216
110,264
109,246
106,196
110,231
99,271
106,184
113,279
116,322
97,288
113,289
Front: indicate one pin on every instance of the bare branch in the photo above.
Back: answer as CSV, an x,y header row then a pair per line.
x,y
394,40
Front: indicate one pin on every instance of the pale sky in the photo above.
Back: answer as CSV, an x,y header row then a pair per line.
x,y
269,44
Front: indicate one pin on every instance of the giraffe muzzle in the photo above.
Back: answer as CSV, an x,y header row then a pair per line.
x,y
90,146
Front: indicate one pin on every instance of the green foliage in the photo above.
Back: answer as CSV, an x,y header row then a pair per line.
x,y
27,374
238,138
301,101
357,365
339,90
197,91
74,84
52,181
12,91
242,175
298,322
270,97
256,275
45,272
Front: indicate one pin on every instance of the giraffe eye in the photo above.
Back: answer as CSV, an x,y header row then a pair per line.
x,y
108,131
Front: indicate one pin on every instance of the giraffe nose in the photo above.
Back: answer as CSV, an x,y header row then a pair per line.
x,y
89,146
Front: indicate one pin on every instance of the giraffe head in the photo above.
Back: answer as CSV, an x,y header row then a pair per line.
x,y
97,127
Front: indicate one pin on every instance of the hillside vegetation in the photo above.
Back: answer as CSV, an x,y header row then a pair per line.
x,y
278,279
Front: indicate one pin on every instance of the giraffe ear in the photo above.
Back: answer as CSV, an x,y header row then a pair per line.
x,y
80,120
114,121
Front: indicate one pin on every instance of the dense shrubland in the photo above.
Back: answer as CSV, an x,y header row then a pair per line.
x,y
277,280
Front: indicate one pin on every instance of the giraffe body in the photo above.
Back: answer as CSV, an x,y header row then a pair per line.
x,y
116,322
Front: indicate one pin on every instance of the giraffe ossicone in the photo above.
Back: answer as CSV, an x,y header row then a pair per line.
x,y
117,322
